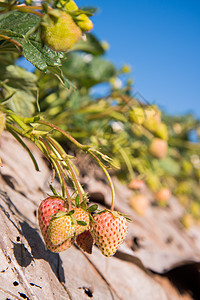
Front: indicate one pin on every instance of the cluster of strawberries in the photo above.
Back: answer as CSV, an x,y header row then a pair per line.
x,y
62,227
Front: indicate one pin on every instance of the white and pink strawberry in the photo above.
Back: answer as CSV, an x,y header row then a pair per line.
x,y
109,231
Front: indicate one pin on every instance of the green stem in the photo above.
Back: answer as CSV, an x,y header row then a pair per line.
x,y
20,122
67,135
127,162
58,168
61,172
75,180
23,8
12,41
61,151
108,177
28,9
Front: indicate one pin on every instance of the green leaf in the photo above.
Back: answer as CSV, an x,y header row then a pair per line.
x,y
59,74
91,219
92,208
20,88
59,214
70,213
83,204
77,200
91,45
82,223
22,28
170,166
53,190
19,27
88,71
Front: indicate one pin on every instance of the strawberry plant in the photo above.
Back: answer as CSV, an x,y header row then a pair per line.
x,y
57,105
44,35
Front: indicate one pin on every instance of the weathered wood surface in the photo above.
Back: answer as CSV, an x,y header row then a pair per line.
x,y
29,271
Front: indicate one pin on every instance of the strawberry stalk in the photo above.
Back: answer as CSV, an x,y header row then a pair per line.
x,y
108,177
59,170
88,149
67,135
55,153
23,8
62,153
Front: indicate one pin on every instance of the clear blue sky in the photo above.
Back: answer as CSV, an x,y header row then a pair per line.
x,y
160,39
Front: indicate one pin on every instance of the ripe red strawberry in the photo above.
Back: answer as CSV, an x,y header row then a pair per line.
x,y
47,208
83,220
60,228
109,231
85,241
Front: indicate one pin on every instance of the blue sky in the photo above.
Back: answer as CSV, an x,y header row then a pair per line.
x,y
160,39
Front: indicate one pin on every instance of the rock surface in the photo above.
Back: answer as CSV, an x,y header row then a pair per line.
x,y
157,260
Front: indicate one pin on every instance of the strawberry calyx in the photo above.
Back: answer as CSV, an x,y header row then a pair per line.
x,y
115,214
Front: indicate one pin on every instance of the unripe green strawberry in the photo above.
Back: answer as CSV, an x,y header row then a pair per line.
x,y
136,114
158,148
47,208
84,22
81,216
137,129
60,228
161,131
70,5
153,182
59,31
109,231
85,241
152,118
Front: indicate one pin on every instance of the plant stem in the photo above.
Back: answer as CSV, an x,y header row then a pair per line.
x,y
12,41
73,175
108,177
58,167
69,137
127,162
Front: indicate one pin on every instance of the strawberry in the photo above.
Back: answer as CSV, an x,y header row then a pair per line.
x,y
109,231
59,31
63,226
60,228
136,114
139,203
46,210
84,22
136,184
163,195
85,241
158,148
82,220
